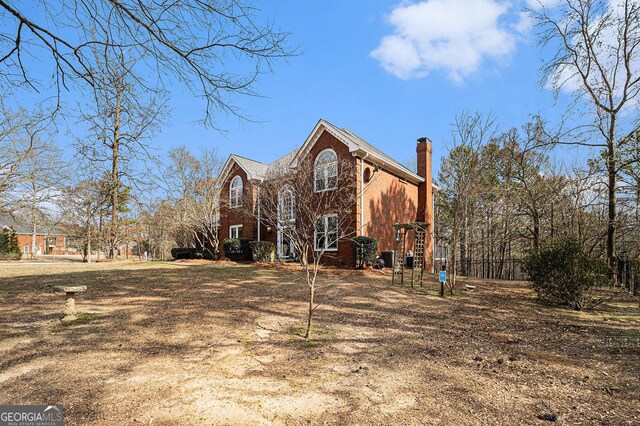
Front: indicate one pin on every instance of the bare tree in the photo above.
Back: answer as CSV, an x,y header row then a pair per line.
x,y
45,174
124,113
80,204
596,57
313,209
190,183
459,170
19,132
216,48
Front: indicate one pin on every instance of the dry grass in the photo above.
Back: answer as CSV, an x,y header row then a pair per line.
x,y
219,344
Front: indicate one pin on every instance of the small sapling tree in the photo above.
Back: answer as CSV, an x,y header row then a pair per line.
x,y
311,205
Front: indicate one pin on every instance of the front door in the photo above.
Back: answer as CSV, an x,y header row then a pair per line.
x,y
285,248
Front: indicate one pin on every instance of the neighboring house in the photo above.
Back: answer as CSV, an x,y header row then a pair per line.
x,y
392,193
49,240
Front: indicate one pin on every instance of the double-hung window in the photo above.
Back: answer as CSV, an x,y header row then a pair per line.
x,y
326,233
235,231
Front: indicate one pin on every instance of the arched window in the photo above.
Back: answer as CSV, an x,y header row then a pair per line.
x,y
326,171
235,192
286,206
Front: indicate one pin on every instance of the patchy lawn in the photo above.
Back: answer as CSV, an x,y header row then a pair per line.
x,y
219,344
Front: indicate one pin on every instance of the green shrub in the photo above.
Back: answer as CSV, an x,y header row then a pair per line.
x,y
562,272
263,251
364,250
9,245
237,249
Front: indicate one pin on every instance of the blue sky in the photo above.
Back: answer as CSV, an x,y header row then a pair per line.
x,y
389,71
337,77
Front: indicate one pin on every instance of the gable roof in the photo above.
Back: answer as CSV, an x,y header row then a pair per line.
x,y
357,146
22,226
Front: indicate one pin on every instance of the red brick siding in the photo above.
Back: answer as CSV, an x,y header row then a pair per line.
x,y
343,256
241,215
388,199
25,241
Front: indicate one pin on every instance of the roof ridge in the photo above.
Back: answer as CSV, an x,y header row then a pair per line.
x,y
247,158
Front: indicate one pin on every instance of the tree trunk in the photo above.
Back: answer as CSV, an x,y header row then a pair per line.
x,y
312,291
115,178
454,242
536,231
611,226
89,235
463,244
100,236
33,239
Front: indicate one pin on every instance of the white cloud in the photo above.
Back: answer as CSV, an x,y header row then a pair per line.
x,y
524,23
456,36
539,4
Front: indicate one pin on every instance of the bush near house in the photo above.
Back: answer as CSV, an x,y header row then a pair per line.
x,y
365,250
263,251
9,247
562,272
237,249
192,253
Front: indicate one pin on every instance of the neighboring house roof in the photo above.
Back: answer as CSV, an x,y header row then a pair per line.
x,y
22,226
357,146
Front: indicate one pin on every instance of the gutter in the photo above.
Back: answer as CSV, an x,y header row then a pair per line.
x,y
362,194
381,162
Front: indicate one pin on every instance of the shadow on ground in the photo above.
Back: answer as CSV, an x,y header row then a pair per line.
x,y
220,344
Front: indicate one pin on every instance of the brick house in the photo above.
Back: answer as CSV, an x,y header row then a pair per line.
x,y
49,241
391,192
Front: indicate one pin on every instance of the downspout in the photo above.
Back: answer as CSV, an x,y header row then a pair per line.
x,y
362,193
258,213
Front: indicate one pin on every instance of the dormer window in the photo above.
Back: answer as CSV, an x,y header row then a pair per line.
x,y
235,192
326,171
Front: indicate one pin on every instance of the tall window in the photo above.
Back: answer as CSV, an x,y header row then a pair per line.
x,y
235,192
286,208
326,237
326,170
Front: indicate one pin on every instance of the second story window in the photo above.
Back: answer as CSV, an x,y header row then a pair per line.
x,y
235,192
326,171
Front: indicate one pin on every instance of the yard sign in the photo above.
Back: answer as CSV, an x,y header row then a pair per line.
x,y
443,276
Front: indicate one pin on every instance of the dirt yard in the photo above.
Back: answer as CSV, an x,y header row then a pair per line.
x,y
219,344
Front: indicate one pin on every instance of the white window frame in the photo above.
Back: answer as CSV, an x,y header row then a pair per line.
x,y
286,218
236,228
325,219
235,194
26,249
324,169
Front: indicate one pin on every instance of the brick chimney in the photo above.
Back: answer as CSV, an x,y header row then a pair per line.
x,y
425,190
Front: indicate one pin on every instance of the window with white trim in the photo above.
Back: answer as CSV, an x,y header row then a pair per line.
x,y
286,206
235,192
326,233
326,171
235,231
26,249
